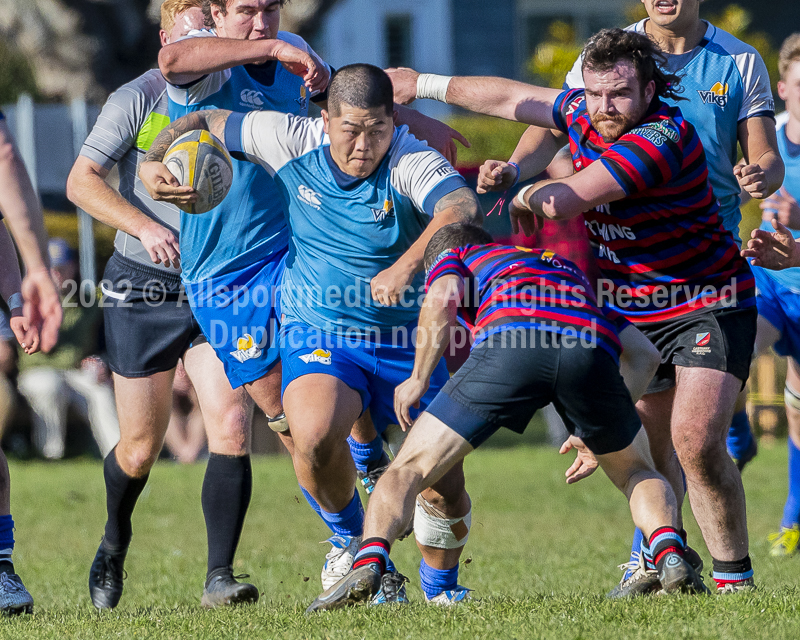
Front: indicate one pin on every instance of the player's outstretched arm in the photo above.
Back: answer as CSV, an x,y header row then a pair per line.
x,y
87,188
776,251
489,95
157,179
461,205
190,59
436,318
20,207
762,172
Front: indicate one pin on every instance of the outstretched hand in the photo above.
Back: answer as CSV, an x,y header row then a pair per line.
x,y
777,250
585,463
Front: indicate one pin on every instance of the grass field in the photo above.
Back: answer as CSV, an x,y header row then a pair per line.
x,y
540,557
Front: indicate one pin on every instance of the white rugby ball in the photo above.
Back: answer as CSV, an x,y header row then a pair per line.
x,y
199,160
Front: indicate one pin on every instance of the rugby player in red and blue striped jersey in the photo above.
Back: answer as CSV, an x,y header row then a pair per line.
x,y
667,263
539,337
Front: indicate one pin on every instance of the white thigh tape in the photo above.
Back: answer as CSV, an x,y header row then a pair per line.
x,y
791,397
433,530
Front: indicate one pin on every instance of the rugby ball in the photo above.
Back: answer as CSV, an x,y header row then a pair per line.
x,y
199,160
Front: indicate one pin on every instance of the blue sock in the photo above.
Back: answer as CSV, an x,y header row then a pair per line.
x,y
314,504
363,454
349,521
740,438
434,581
6,541
791,510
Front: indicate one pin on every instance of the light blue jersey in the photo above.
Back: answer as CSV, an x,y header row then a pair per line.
x,y
249,225
724,82
344,231
790,152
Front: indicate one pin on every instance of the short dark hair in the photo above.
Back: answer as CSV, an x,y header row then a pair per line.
x,y
223,9
454,235
363,86
607,47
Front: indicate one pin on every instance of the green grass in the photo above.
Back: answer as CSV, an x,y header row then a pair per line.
x,y
542,556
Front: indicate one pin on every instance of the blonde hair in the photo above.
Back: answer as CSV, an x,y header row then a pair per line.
x,y
790,52
171,8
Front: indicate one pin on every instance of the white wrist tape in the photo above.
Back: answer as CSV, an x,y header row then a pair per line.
x,y
430,85
519,198
15,301
433,529
279,424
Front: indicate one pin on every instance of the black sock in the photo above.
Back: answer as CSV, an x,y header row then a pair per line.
x,y
725,572
122,491
663,541
227,487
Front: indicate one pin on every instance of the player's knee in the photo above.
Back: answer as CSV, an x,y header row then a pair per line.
x,y
137,457
702,458
432,527
317,447
229,432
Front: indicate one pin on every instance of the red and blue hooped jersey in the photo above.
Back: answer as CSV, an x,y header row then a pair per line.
x,y
662,249
507,287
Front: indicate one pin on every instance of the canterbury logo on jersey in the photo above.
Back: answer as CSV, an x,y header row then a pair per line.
x,y
718,95
252,98
309,196
246,348
387,212
318,355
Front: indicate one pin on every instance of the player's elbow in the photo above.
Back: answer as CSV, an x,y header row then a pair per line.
x,y
8,154
169,61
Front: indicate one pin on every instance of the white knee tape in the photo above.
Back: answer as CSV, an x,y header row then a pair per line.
x,y
791,397
432,529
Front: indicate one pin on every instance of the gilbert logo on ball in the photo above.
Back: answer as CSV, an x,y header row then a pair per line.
x,y
199,160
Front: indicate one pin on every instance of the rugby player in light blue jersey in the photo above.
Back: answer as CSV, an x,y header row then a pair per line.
x,y
363,198
727,97
779,291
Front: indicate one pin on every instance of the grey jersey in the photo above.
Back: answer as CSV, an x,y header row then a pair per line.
x,y
125,129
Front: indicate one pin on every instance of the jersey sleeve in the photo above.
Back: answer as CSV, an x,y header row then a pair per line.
x,y
447,263
120,120
270,138
647,156
422,174
567,106
757,100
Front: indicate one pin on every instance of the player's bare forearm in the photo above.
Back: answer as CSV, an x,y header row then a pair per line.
x,y
189,59
88,189
535,151
565,198
436,318
20,205
460,205
504,98
10,276
763,171
209,120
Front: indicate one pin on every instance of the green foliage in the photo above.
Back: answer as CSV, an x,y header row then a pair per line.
x,y
16,74
542,555
553,59
491,138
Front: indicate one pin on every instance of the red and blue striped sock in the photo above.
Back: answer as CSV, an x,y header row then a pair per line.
x,y
373,550
663,541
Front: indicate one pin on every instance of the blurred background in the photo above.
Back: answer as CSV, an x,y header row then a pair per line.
x,y
60,59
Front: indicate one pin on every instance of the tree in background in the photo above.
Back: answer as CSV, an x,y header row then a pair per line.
x,y
16,74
